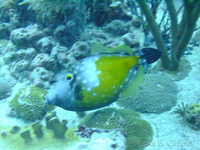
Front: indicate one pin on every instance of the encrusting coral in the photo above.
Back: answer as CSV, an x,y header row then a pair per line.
x,y
156,94
138,132
28,104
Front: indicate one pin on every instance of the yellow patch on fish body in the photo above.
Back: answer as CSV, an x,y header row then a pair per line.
x,y
113,77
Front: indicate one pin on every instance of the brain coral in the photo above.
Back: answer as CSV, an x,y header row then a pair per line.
x,y
156,94
29,104
138,132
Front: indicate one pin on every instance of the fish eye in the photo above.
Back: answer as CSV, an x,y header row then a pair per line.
x,y
69,77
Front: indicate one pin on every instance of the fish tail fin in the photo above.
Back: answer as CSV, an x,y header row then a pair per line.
x,y
150,55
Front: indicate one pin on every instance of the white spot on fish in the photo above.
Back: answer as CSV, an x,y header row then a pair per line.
x,y
96,84
103,96
135,72
84,81
92,79
82,68
114,87
96,58
89,89
94,94
120,86
98,72
78,78
75,72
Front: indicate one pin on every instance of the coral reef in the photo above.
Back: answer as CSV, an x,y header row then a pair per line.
x,y
26,136
37,127
26,37
113,142
59,128
28,104
5,89
4,30
181,109
43,60
6,77
15,129
138,132
46,44
156,94
98,10
190,114
130,40
67,34
41,77
26,54
66,17
39,135
117,27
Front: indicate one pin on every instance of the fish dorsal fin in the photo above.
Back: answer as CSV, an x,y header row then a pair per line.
x,y
130,91
99,48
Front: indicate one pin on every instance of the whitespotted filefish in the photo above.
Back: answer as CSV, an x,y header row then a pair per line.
x,y
98,80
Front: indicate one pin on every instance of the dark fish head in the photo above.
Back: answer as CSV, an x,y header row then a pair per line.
x,y
62,94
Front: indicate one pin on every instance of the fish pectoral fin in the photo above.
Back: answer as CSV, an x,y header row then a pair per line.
x,y
78,94
99,48
130,91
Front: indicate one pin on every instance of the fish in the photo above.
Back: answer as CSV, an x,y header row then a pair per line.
x,y
97,80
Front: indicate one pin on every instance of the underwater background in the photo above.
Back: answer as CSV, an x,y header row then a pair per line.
x,y
41,39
